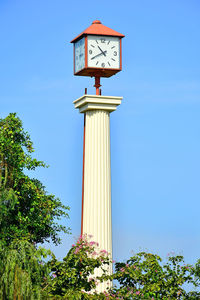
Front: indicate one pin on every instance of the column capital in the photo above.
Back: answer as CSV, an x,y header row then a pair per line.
x,y
96,102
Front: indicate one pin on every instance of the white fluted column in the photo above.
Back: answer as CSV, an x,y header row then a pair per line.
x,y
97,219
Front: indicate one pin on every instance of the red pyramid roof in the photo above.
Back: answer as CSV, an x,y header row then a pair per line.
x,y
98,29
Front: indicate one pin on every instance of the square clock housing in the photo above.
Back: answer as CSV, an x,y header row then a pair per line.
x,y
98,53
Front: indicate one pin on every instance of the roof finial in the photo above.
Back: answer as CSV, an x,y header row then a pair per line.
x,y
96,22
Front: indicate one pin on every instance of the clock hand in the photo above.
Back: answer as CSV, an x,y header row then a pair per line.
x,y
99,54
103,52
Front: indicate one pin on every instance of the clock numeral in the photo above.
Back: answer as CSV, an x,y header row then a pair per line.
x,y
97,62
93,46
108,43
113,59
108,63
103,40
96,41
112,47
90,51
115,53
103,65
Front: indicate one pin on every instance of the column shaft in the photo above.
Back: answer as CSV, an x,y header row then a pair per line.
x,y
97,179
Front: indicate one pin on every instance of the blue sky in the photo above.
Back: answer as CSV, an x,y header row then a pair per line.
x,y
155,133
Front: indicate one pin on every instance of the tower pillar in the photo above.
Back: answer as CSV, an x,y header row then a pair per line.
x,y
96,202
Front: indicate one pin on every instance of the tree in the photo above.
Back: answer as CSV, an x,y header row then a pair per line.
x,y
25,273
26,209
144,276
22,271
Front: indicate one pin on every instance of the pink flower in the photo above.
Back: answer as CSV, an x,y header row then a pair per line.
x,y
76,251
92,243
122,269
54,275
104,251
138,292
156,271
73,245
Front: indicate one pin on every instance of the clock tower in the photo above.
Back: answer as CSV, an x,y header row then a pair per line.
x,y
97,53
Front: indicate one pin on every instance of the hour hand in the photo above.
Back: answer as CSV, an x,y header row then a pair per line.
x,y
103,52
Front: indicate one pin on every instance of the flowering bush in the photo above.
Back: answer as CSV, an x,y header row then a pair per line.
x,y
74,275
24,272
144,276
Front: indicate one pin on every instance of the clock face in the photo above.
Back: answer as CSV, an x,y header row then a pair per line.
x,y
103,52
79,55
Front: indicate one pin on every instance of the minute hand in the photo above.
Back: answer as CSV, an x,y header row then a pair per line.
x,y
103,52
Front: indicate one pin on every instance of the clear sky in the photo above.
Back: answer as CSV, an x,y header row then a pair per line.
x,y
155,133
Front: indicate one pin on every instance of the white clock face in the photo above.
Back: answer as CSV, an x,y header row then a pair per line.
x,y
104,52
79,55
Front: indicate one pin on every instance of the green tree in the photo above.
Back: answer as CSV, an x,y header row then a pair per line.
x,y
26,274
23,271
26,209
144,276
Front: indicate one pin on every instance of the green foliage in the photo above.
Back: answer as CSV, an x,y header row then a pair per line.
x,y
144,276
73,276
25,273
24,203
22,271
196,273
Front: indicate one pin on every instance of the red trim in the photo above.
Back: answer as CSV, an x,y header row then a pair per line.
x,y
120,54
74,58
83,176
86,52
